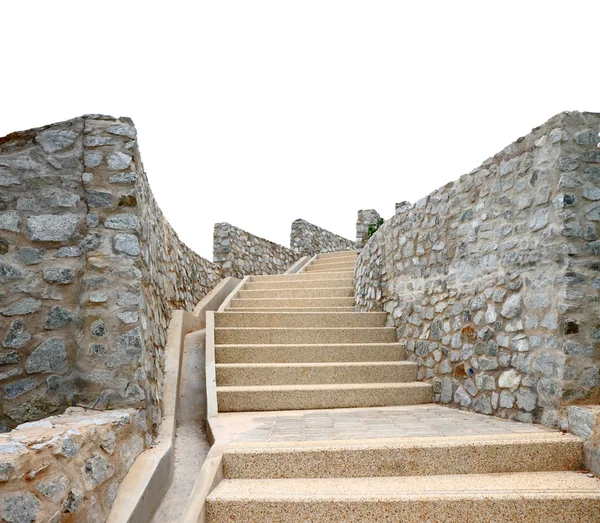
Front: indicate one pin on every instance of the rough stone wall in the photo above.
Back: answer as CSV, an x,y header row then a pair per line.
x,y
89,272
68,467
308,239
239,253
585,423
366,218
492,281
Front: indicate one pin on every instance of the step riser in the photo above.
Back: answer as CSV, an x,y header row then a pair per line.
x,y
315,269
244,400
303,276
307,354
337,255
301,284
346,292
303,336
537,507
416,460
314,302
296,309
343,264
307,375
297,320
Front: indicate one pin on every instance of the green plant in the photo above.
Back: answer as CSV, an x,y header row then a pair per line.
x,y
373,228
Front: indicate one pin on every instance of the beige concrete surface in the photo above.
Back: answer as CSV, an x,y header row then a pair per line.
x,y
308,319
305,353
319,292
292,302
554,497
285,397
300,284
240,374
258,335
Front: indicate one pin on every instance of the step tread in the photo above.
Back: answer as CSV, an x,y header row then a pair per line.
x,y
544,484
334,365
325,386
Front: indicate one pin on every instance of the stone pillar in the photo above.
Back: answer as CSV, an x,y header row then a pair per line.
x,y
366,218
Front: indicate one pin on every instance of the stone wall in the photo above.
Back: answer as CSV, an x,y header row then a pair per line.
x,y
585,423
68,467
366,218
492,281
239,253
308,239
90,271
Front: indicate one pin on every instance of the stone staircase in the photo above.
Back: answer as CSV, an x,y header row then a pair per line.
x,y
293,342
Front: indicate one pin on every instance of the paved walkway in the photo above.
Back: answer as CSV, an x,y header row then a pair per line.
x,y
367,423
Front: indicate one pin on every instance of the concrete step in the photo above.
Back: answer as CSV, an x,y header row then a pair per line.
x,y
349,268
299,284
428,456
549,497
325,292
241,374
337,255
332,263
352,352
286,335
301,397
302,276
292,302
296,320
293,309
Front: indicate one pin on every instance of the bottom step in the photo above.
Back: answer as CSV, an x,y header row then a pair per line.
x,y
337,396
551,497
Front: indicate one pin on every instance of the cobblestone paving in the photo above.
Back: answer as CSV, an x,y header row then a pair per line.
x,y
384,422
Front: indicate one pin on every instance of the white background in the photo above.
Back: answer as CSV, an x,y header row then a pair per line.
x,y
261,112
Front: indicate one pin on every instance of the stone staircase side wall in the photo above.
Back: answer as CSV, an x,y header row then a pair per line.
x,y
308,239
239,253
492,281
366,218
90,271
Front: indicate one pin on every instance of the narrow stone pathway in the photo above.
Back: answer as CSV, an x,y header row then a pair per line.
x,y
191,445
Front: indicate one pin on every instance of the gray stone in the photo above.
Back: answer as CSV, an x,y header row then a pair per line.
x,y
53,141
9,272
17,388
128,299
92,220
539,220
61,275
572,348
581,421
591,193
98,141
98,329
74,501
16,336
122,130
485,382
446,395
22,307
10,221
100,199
58,317
96,348
10,358
108,442
123,178
20,507
512,306
50,356
127,243
129,346
482,405
10,374
549,364
52,227
68,252
6,180
121,222
96,470
568,163
54,488
118,160
507,400
509,379
526,400
69,449
92,158
5,471
30,255
128,317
